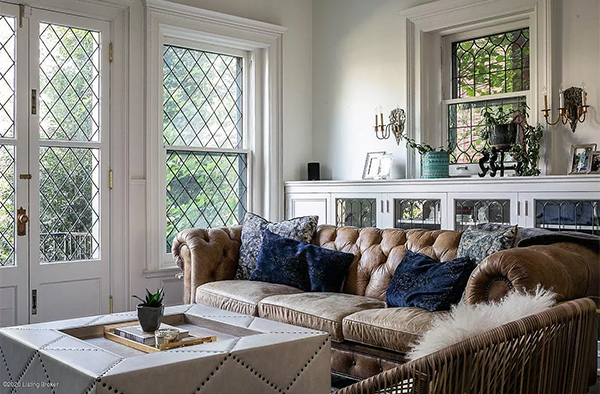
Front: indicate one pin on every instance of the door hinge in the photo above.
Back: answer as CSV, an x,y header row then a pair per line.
x,y
110,52
34,302
33,102
21,14
110,179
110,304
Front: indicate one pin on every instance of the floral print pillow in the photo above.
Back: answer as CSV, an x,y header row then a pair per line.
x,y
301,229
479,244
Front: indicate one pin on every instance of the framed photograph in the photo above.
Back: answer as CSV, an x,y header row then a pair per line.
x,y
579,162
594,163
378,165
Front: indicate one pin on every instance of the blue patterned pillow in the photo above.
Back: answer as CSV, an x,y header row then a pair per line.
x,y
280,261
299,264
422,282
479,244
299,229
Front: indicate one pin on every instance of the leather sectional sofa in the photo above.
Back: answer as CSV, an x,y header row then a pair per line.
x,y
367,336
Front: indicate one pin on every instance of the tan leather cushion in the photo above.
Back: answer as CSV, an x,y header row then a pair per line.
x,y
378,253
391,328
241,296
320,311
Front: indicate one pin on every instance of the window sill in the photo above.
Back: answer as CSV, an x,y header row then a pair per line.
x,y
162,273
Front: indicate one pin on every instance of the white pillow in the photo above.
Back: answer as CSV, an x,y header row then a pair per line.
x,y
465,321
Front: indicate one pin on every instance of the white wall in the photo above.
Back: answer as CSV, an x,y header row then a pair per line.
x,y
357,65
577,59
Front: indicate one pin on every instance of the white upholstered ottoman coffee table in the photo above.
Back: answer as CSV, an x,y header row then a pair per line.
x,y
251,355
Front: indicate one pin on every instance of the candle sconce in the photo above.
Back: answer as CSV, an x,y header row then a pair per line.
x,y
572,106
397,119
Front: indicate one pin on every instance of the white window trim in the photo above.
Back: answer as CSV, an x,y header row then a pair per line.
x,y
264,120
426,25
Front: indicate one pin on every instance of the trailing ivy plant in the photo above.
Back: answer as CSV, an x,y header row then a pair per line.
x,y
528,153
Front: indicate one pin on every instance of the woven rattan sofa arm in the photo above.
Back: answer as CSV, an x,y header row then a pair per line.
x,y
206,256
547,352
570,270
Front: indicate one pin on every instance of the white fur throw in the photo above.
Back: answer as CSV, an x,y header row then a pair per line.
x,y
466,321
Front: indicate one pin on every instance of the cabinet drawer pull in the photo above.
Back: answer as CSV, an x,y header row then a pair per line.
x,y
387,203
518,208
381,206
526,208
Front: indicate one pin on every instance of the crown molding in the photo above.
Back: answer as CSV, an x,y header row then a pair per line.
x,y
213,18
443,14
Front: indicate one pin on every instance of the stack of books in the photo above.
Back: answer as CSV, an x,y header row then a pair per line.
x,y
135,333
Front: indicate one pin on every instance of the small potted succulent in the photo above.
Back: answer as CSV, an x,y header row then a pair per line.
x,y
150,311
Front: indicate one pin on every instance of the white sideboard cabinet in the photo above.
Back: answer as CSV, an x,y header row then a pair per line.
x,y
553,202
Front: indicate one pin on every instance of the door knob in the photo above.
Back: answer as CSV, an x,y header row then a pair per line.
x,y
22,220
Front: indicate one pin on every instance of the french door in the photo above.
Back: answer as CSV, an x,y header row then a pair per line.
x,y
54,119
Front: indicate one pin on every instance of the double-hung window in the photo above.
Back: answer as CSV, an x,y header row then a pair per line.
x,y
207,160
484,69
214,122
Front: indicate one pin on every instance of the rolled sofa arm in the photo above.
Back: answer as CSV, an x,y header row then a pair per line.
x,y
570,270
206,255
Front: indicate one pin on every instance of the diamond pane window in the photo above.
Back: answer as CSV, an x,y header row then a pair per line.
x,y
497,63
69,204
206,163
202,98
7,76
466,127
7,205
204,189
69,97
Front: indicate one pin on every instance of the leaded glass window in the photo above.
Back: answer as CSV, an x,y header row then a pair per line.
x,y
466,127
497,63
206,161
484,67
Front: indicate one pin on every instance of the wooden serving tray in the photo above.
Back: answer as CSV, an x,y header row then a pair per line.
x,y
109,333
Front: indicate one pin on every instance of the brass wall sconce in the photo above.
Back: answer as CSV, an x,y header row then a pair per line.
x,y
397,119
572,106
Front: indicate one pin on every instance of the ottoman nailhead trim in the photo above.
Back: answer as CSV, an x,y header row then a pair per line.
x,y
5,364
46,372
307,364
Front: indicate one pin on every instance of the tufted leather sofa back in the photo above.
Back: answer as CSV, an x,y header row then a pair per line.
x,y
378,252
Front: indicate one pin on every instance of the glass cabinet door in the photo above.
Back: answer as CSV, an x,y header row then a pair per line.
x,y
568,214
475,211
357,212
412,213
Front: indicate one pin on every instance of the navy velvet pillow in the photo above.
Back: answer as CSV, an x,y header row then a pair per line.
x,y
422,282
279,261
299,264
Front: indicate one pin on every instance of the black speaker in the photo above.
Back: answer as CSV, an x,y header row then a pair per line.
x,y
314,171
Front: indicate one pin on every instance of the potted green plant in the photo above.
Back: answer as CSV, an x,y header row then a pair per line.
x,y
150,310
502,134
434,161
502,124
